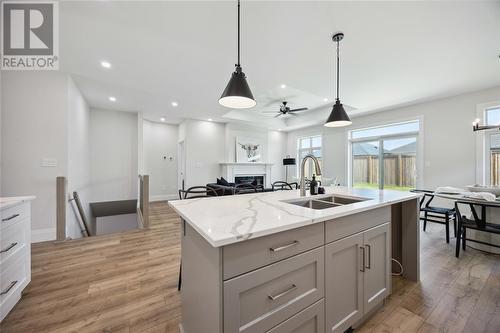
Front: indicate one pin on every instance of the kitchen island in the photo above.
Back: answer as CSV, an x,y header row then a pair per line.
x,y
278,262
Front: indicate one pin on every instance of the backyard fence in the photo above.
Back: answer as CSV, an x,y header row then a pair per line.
x,y
399,170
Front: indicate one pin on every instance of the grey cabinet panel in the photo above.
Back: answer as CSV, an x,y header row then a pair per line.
x,y
309,320
377,243
351,224
258,301
344,283
255,253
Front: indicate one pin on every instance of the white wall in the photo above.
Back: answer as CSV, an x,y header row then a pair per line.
x,y
34,127
113,155
205,149
276,151
160,159
448,140
78,158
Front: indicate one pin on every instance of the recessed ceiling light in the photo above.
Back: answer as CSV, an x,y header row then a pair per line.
x,y
283,86
162,119
105,64
279,129
112,99
174,104
209,119
325,99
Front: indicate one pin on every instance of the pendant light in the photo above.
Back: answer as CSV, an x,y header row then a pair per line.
x,y
237,94
338,117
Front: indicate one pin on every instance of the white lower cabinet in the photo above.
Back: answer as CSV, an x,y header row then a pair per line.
x,y
357,276
15,253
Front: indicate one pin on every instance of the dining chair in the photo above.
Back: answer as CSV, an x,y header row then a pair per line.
x,y
193,193
476,222
197,192
282,185
436,214
244,188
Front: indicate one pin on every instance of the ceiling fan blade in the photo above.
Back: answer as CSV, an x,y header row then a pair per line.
x,y
279,114
297,110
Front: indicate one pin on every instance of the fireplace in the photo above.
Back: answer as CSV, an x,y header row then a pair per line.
x,y
249,179
246,172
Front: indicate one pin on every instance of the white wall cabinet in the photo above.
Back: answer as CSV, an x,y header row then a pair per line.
x,y
357,273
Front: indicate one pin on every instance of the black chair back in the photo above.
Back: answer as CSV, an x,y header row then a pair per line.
x,y
245,188
281,186
197,192
425,201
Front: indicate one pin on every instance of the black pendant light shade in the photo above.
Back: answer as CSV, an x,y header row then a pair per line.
x,y
338,117
237,94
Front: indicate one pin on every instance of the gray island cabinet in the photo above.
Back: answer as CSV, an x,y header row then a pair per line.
x,y
265,262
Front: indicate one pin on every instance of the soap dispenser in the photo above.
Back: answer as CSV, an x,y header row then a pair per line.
x,y
313,186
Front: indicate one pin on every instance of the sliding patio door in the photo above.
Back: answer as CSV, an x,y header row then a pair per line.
x,y
383,158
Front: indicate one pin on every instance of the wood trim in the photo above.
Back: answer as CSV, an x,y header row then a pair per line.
x,y
61,185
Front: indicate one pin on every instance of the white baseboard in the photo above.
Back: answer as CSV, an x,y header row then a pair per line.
x,y
163,197
43,235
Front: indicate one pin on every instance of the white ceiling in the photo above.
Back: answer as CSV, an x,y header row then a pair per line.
x,y
393,53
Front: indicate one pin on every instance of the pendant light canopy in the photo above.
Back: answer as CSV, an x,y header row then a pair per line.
x,y
237,94
338,117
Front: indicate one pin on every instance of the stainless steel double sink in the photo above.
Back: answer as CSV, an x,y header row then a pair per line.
x,y
325,202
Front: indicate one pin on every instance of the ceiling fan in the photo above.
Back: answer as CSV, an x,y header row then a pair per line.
x,y
284,110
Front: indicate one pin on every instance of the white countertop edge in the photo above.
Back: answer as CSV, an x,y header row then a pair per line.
x,y
307,221
6,202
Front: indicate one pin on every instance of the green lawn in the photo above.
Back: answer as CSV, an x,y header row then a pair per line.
x,y
386,187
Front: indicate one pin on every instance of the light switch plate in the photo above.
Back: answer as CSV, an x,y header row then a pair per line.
x,y
49,162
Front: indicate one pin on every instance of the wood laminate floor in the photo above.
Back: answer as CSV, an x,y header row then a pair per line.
x,y
128,283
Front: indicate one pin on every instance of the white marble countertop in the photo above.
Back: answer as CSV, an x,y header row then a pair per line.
x,y
6,202
231,219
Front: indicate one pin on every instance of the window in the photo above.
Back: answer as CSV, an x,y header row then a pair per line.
x,y
494,157
309,145
493,116
492,146
384,156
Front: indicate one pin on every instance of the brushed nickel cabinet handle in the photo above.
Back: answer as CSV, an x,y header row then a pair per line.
x,y
11,285
284,247
10,218
369,252
7,249
363,260
289,290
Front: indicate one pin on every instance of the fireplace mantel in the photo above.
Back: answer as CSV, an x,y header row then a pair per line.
x,y
245,163
232,169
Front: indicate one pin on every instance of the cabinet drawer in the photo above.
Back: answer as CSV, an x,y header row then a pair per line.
x,y
12,278
258,301
14,214
12,239
310,320
243,257
352,224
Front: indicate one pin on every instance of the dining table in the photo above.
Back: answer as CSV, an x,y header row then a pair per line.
x,y
491,214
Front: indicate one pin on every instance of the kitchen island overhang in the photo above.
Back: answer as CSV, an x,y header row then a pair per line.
x,y
229,241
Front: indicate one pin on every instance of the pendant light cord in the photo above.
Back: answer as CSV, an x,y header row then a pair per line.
x,y
238,65
338,69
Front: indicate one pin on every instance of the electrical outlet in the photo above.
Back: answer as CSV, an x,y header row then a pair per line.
x,y
49,162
